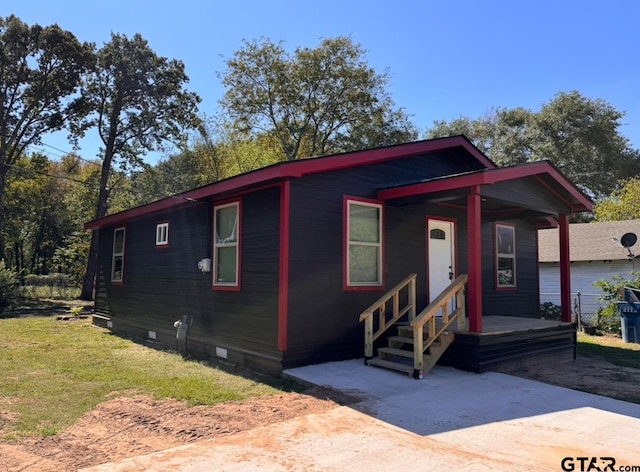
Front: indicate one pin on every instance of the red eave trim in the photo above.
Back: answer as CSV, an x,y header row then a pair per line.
x,y
297,169
487,177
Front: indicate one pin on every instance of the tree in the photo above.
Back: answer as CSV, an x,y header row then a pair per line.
x,y
314,101
138,104
622,204
40,74
578,135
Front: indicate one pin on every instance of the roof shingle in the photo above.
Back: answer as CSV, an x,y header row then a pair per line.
x,y
589,241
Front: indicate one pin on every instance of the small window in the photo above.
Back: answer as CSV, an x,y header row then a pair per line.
x,y
505,255
437,234
226,245
364,244
117,261
162,234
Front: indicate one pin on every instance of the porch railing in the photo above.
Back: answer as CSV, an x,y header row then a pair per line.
x,y
380,308
427,318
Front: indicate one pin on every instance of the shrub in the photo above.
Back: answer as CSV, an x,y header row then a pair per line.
x,y
9,287
550,311
608,318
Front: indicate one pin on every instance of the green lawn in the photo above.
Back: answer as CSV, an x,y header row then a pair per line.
x,y
55,371
610,348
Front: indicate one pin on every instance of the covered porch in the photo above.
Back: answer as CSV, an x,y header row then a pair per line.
x,y
508,343
535,192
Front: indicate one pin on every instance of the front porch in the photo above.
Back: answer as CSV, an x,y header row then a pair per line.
x,y
399,338
508,343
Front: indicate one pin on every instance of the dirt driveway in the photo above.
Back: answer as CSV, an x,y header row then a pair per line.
x,y
125,427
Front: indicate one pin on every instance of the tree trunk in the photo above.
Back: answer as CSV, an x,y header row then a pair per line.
x,y
92,263
3,180
92,268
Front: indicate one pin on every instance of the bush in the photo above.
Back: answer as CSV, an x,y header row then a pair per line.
x,y
9,287
608,318
550,311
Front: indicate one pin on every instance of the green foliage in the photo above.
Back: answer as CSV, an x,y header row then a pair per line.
x,y
550,311
40,74
578,135
9,287
622,204
608,318
313,102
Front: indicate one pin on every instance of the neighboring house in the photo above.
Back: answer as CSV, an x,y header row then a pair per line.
x,y
596,253
271,269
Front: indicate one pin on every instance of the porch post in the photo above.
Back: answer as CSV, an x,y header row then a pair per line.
x,y
565,268
474,246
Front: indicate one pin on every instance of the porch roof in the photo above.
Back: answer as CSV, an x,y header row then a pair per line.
x,y
537,187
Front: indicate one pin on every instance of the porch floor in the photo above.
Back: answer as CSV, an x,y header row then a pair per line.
x,y
509,342
494,324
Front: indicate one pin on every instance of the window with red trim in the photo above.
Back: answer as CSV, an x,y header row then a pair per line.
x,y
226,245
505,255
364,244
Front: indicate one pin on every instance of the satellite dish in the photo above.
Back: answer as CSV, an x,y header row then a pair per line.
x,y
628,240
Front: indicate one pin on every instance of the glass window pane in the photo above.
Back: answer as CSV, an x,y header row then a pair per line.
x,y
505,236
226,224
226,264
364,223
118,242
506,271
363,264
118,262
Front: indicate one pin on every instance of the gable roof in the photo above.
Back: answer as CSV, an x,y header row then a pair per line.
x,y
544,173
295,169
596,241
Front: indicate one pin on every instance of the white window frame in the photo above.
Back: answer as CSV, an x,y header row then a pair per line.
x,y
349,244
222,244
162,234
509,253
120,254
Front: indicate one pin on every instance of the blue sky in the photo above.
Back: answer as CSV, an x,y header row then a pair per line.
x,y
446,58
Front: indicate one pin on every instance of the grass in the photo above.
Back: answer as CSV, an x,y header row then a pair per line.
x,y
610,348
55,371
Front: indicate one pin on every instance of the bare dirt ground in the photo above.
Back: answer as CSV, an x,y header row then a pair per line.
x,y
128,426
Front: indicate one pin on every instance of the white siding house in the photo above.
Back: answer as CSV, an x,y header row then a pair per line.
x,y
595,252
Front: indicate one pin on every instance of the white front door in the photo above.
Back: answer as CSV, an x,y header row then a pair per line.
x,y
440,255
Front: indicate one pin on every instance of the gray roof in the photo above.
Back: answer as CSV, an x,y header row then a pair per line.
x,y
589,241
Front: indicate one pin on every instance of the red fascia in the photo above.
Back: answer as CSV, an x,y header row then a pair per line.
x,y
295,169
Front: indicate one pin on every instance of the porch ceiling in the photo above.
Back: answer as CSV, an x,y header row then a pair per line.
x,y
536,189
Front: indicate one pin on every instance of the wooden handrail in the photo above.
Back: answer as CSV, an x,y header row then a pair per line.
x,y
428,317
380,306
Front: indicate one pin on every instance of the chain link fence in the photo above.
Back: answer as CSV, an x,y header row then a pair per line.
x,y
584,307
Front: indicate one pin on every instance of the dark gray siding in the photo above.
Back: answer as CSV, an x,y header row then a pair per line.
x,y
163,285
323,318
523,300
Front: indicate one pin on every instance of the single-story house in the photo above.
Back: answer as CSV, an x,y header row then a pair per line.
x,y
597,252
275,268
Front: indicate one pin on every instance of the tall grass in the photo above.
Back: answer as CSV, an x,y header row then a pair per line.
x,y
55,371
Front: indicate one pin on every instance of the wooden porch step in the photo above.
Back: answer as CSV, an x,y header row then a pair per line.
x,y
376,361
395,352
405,340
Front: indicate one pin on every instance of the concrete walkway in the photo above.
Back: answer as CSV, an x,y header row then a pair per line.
x,y
451,420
